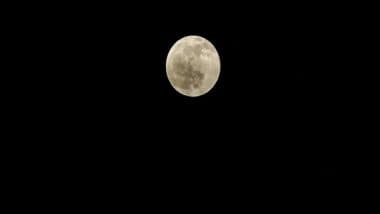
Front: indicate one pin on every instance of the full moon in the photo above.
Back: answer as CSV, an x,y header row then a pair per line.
x,y
193,66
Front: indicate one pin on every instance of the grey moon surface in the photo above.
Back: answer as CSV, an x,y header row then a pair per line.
x,y
193,66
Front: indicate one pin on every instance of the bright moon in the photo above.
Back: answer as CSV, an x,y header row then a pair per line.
x,y
193,66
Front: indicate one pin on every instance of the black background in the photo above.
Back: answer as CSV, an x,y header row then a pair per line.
x,y
275,122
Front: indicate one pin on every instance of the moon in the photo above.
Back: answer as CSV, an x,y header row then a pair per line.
x,y
193,66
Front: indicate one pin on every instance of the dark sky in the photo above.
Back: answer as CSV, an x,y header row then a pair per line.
x,y
276,117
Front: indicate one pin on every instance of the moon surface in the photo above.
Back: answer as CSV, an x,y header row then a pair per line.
x,y
193,66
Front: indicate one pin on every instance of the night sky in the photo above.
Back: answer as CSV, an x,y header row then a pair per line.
x,y
275,120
